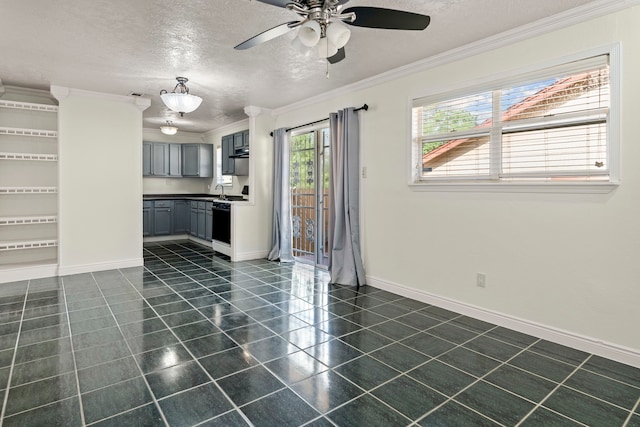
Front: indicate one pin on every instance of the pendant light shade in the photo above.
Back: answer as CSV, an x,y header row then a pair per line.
x,y
169,128
180,100
338,33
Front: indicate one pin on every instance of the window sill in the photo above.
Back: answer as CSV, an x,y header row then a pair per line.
x,y
517,187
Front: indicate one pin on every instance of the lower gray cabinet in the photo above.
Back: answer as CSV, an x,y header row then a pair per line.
x,y
147,218
193,230
202,220
173,217
181,216
208,227
162,218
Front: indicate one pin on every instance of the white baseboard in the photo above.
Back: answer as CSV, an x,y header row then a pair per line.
x,y
166,238
28,273
596,346
101,266
248,256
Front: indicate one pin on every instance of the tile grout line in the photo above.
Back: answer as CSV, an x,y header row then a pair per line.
x,y
393,341
478,379
631,413
73,353
195,359
556,388
260,363
155,401
13,358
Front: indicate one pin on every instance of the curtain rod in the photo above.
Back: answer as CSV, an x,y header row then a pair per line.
x,y
365,107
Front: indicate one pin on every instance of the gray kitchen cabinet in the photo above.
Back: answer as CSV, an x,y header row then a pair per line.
x,y
146,158
202,220
238,140
193,219
175,160
162,217
181,216
160,159
147,218
232,145
245,139
197,160
228,163
208,235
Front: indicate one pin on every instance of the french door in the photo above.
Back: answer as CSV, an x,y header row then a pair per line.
x,y
309,184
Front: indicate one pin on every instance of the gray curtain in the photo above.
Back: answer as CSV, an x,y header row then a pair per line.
x,y
345,259
281,234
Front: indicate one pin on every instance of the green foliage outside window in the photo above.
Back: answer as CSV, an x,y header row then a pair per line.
x,y
444,121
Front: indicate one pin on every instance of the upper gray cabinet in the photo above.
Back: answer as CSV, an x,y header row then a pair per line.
x,y
235,153
175,160
228,163
146,158
197,160
161,159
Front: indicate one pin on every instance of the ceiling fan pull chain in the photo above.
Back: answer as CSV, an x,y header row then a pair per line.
x,y
327,70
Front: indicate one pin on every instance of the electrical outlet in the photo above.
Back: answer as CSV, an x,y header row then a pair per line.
x,y
481,280
364,171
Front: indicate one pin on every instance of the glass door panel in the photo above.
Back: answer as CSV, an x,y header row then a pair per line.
x,y
309,185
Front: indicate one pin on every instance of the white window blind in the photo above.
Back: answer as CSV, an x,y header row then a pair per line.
x,y
545,126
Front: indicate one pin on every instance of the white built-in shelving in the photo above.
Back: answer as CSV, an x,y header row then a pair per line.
x,y
28,190
29,156
39,133
28,180
31,244
28,220
20,105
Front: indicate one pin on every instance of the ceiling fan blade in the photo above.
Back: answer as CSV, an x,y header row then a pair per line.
x,y
390,19
337,57
267,35
279,3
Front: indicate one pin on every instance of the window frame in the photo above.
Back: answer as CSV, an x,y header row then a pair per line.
x,y
514,77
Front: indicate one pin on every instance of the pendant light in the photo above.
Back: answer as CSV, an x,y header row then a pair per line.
x,y
180,100
169,128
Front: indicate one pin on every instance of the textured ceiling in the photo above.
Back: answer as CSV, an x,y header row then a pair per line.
x,y
124,46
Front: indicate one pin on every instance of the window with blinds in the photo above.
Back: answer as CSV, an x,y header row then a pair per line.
x,y
546,126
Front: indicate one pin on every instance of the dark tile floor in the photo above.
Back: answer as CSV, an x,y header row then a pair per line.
x,y
193,339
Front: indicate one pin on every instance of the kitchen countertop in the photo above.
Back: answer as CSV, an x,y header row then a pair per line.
x,y
203,197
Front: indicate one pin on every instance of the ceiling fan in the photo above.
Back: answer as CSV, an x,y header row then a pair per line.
x,y
321,26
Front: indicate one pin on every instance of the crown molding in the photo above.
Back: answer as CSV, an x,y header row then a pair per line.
x,y
232,127
23,90
62,92
559,21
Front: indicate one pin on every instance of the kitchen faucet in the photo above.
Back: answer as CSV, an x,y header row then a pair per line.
x,y
222,196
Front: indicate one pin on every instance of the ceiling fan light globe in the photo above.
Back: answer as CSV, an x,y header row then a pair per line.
x,y
325,48
181,102
297,45
338,34
309,33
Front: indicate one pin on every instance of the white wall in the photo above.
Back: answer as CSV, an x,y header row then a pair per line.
x,y
165,185
568,262
100,180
